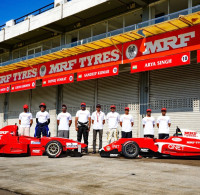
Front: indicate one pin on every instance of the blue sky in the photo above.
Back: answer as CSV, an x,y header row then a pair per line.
x,y
12,9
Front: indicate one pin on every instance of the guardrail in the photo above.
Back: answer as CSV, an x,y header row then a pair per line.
x,y
34,13
108,34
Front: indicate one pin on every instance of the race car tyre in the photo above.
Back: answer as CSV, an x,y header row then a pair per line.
x,y
53,149
130,149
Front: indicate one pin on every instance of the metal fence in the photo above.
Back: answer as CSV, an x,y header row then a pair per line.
x,y
134,106
105,35
176,105
190,104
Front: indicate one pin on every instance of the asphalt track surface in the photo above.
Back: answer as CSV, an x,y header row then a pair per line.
x,y
91,174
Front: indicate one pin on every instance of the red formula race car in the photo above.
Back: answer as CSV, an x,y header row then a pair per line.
x,y
11,143
184,144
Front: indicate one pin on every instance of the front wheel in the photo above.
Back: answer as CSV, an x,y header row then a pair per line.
x,y
54,149
130,149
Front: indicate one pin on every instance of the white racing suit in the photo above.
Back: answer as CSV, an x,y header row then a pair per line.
x,y
112,133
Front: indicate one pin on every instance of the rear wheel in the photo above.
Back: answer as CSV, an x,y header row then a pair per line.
x,y
130,149
54,149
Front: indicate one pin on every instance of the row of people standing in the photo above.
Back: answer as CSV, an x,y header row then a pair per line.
x,y
163,124
83,122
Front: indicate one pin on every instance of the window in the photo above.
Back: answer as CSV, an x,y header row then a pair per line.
x,y
115,23
34,50
15,54
133,18
46,45
195,2
84,33
72,37
99,28
177,5
19,53
159,10
4,57
55,42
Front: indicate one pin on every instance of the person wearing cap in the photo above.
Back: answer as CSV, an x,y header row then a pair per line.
x,y
42,122
148,125
113,120
82,124
163,124
98,120
64,121
126,122
25,122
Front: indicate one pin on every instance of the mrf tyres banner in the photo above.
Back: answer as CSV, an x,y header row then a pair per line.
x,y
164,44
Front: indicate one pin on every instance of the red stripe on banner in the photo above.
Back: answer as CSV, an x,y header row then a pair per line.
x,y
98,73
23,86
58,80
5,89
163,62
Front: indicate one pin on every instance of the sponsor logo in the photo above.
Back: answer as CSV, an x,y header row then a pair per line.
x,y
115,70
166,44
43,70
4,132
131,51
189,142
108,148
33,84
36,151
33,142
144,150
71,145
190,134
71,78
114,155
80,76
44,82
115,146
176,139
175,147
